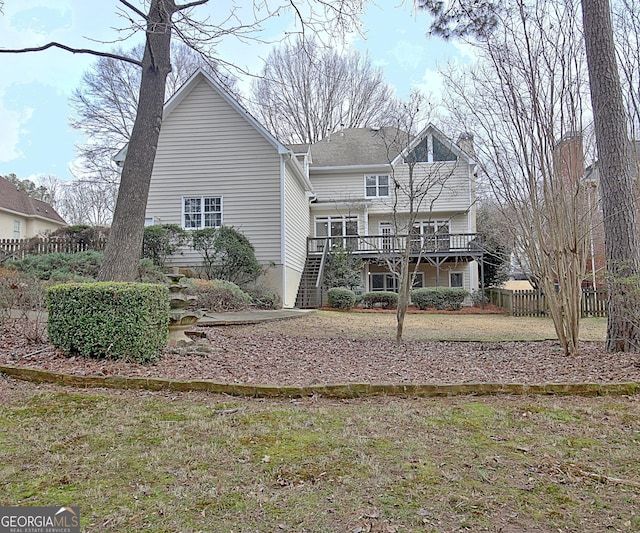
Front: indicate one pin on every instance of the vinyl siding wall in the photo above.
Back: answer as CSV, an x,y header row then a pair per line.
x,y
206,148
454,195
296,223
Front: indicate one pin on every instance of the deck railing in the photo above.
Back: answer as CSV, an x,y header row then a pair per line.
x,y
446,243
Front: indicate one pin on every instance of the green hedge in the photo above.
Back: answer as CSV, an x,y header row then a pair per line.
x,y
387,300
341,298
442,298
127,321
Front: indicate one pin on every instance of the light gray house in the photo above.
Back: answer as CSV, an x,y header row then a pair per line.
x,y
216,164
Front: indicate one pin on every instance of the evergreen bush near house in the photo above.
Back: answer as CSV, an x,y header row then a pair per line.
x,y
127,321
226,254
150,273
341,298
263,298
81,266
162,241
477,297
343,269
385,299
77,267
441,298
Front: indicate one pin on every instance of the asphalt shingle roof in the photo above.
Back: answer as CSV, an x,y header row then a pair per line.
x,y
359,146
13,199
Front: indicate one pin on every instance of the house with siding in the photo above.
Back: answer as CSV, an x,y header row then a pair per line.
x,y
216,164
23,217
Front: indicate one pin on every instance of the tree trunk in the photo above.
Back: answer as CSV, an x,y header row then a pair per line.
x,y
403,292
614,168
124,247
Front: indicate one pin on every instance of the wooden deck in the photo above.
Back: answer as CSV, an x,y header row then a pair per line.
x,y
461,246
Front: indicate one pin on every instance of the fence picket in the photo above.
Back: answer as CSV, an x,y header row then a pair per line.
x,y
533,303
12,249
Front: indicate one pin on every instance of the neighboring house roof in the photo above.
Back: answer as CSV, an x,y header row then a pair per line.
x,y
16,201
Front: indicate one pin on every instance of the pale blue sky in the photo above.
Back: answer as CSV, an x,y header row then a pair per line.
x,y
35,136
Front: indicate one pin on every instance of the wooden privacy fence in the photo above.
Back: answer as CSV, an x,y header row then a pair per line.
x,y
534,303
11,249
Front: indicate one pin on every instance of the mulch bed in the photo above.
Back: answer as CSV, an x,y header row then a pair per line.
x,y
254,355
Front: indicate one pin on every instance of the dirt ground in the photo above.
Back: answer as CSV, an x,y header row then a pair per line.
x,y
329,348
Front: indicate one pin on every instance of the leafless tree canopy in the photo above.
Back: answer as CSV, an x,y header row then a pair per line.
x,y
525,100
307,91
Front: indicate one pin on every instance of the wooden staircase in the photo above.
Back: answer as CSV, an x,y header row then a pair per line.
x,y
309,295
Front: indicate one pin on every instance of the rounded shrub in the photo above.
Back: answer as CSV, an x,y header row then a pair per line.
x,y
341,298
440,298
219,295
384,299
127,321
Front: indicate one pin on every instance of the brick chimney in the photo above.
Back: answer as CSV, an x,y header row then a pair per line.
x,y
465,142
568,157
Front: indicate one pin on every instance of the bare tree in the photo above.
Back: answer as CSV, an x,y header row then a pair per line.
x,y
162,19
306,91
417,183
470,17
525,97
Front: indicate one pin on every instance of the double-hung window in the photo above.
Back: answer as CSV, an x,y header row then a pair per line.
x,y
200,212
376,185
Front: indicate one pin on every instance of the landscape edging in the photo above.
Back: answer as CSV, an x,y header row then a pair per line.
x,y
339,390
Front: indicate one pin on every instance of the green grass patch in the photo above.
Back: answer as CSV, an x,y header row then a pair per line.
x,y
194,462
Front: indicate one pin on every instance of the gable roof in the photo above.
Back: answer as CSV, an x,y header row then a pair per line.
x,y
200,75
193,80
186,88
430,129
374,147
16,201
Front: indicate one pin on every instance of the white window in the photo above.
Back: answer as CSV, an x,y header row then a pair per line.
x,y
16,229
376,186
338,227
201,212
456,279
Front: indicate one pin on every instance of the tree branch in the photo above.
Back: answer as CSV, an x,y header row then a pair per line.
x,y
73,51
190,4
134,9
